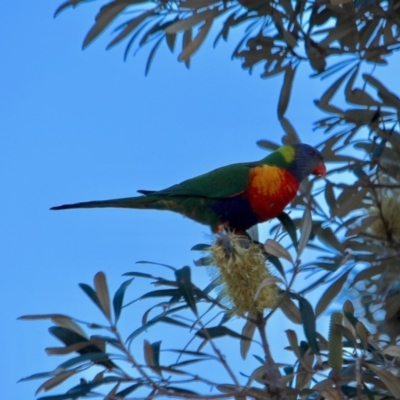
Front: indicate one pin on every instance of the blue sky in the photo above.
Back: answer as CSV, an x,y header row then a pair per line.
x,y
80,126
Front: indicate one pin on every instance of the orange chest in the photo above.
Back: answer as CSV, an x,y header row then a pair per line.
x,y
270,190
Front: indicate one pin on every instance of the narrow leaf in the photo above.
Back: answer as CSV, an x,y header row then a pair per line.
x,y
309,323
194,45
289,225
392,350
219,331
152,355
68,323
183,279
100,284
129,27
57,380
90,293
105,16
391,382
331,293
248,332
196,18
305,231
277,250
118,299
290,310
271,280
286,90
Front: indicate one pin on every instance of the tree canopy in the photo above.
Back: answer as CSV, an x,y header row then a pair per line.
x,y
347,226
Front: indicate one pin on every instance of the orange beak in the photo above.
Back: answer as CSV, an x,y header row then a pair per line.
x,y
320,170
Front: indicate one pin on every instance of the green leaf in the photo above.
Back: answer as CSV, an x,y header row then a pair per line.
x,y
119,299
183,279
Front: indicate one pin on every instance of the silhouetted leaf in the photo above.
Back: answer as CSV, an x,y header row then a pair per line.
x,y
289,225
387,96
277,264
68,3
56,380
194,45
161,293
285,91
119,299
188,23
219,331
69,337
152,54
305,231
130,26
248,332
152,355
156,320
130,389
183,279
105,16
91,294
330,293
309,325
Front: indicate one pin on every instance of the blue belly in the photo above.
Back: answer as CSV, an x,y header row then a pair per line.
x,y
235,211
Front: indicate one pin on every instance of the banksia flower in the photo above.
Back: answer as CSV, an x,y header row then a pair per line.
x,y
240,269
335,359
387,225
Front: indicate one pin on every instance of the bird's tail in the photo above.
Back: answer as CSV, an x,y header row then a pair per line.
x,y
128,202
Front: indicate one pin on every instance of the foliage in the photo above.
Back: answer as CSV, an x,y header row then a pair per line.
x,y
348,226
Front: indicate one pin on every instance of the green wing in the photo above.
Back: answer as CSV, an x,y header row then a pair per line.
x,y
227,181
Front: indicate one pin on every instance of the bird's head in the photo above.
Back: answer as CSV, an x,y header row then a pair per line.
x,y
304,160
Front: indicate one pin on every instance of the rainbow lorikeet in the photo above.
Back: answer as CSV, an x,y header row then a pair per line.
x,y
237,196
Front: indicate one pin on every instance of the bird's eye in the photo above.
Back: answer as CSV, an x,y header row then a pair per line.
x,y
311,152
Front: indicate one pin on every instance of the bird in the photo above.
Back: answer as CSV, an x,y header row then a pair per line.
x,y
234,197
